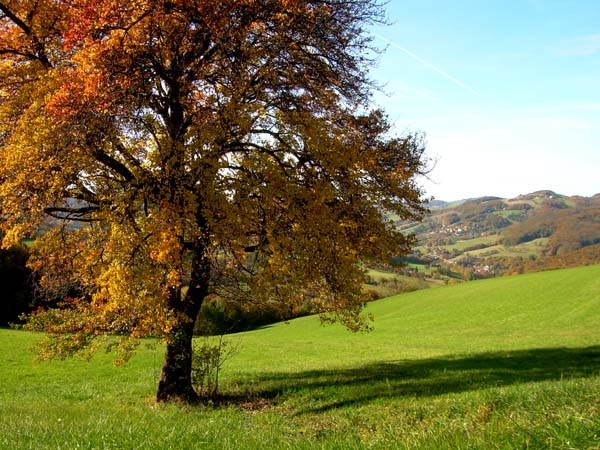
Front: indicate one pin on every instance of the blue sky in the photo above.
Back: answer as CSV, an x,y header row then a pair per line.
x,y
507,92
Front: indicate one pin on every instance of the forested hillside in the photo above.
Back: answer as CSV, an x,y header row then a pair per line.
x,y
490,236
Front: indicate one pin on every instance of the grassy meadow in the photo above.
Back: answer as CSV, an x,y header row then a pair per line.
x,y
504,363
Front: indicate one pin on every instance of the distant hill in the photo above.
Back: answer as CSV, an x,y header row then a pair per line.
x,y
437,204
490,236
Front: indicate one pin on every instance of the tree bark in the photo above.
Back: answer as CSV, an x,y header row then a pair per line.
x,y
176,377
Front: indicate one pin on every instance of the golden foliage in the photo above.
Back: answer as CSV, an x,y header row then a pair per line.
x,y
217,145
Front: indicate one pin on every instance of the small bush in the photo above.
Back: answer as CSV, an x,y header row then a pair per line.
x,y
207,361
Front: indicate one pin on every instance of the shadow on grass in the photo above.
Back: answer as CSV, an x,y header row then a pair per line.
x,y
331,389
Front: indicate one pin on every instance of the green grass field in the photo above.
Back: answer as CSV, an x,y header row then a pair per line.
x,y
504,363
524,250
462,245
386,283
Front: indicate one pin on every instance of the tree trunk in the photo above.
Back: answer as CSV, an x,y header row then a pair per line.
x,y
176,377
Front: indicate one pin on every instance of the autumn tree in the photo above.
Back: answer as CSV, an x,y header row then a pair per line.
x,y
181,149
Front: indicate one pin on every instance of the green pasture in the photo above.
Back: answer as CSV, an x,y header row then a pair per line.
x,y
386,283
464,244
509,213
426,269
379,276
409,228
505,363
531,248
524,250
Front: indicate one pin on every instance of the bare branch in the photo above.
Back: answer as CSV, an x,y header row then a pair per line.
x,y
73,214
15,19
38,46
113,164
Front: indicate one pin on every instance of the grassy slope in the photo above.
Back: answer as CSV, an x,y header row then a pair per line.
x,y
503,363
390,283
462,245
526,249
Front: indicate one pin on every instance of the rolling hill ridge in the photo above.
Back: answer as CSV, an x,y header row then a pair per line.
x,y
490,236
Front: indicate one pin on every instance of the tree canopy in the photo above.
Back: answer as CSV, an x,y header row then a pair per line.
x,y
182,149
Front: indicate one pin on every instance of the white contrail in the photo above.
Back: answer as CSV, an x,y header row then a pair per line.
x,y
427,64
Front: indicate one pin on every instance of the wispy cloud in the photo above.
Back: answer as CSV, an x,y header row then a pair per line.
x,y
580,46
404,91
590,107
427,64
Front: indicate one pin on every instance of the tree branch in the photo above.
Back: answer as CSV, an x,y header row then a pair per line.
x,y
38,46
75,214
113,164
15,19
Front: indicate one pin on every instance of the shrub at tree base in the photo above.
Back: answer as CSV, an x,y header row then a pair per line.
x,y
207,361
